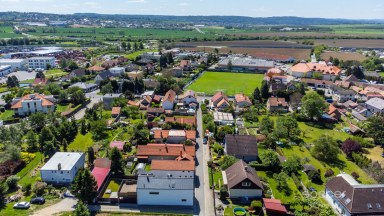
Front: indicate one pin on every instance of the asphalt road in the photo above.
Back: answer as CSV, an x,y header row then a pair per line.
x,y
95,98
204,203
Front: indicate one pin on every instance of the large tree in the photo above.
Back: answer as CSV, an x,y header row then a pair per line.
x,y
117,163
292,165
375,128
84,186
325,149
32,142
313,105
227,161
264,90
287,127
266,125
270,159
91,155
350,146
257,95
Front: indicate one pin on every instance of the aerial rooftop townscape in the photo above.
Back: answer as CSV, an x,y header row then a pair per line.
x,y
161,108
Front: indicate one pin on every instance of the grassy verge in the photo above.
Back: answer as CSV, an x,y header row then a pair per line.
x,y
8,114
81,142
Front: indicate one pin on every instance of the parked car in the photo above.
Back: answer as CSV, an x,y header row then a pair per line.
x,y
38,200
205,141
22,205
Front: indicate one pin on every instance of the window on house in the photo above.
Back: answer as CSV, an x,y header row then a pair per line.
x,y
246,184
369,205
154,193
378,205
183,200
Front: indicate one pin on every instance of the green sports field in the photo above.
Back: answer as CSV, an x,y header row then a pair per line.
x,y
230,83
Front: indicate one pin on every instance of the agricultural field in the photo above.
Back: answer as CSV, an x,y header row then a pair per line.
x,y
230,83
300,54
344,56
7,32
244,44
353,43
132,33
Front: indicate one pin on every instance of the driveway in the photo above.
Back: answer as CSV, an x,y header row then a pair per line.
x,y
65,205
204,203
21,76
95,98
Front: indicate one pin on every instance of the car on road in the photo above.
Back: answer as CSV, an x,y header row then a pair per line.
x,y
38,200
22,205
205,141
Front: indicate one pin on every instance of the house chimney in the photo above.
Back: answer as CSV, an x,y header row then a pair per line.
x,y
246,168
166,147
59,166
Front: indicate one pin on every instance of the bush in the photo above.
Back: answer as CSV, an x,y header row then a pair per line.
x,y
218,149
314,176
329,173
223,193
39,188
361,160
12,181
256,205
355,175
297,182
350,146
27,189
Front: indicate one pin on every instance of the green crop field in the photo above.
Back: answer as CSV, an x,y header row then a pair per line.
x,y
138,33
230,83
7,32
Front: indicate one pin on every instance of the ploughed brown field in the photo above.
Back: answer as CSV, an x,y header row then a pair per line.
x,y
243,44
344,56
353,43
299,54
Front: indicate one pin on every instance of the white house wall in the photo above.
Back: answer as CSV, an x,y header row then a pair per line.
x,y
165,197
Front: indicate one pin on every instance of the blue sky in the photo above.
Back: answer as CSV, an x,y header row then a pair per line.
x,y
351,9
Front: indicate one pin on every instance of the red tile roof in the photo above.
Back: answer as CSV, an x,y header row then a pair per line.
x,y
100,175
218,96
181,120
96,68
277,102
45,102
170,95
242,98
274,206
102,163
116,110
161,134
39,81
173,165
318,67
118,144
164,150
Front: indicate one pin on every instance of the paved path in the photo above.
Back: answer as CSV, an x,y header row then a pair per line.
x,y
95,98
204,204
65,205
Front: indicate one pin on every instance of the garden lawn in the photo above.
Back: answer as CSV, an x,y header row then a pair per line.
x,y
27,174
217,179
55,73
3,89
8,114
81,142
348,167
113,186
313,133
230,83
134,55
279,194
375,154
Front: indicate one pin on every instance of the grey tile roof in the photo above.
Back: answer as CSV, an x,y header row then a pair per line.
x,y
164,180
376,102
